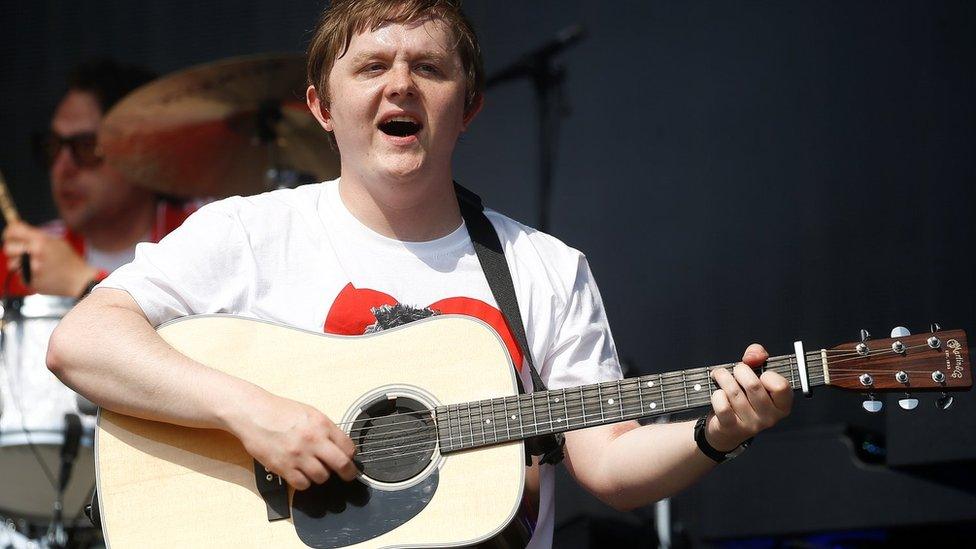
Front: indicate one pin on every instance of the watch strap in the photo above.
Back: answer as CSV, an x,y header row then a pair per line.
x,y
717,456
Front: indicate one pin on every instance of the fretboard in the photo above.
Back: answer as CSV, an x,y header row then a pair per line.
x,y
498,420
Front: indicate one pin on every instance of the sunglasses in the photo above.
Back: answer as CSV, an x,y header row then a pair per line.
x,y
82,146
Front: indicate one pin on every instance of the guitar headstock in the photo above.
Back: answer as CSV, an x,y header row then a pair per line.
x,y
937,361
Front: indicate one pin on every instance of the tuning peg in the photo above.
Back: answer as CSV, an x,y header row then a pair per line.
x,y
900,331
934,327
944,402
908,403
865,335
872,405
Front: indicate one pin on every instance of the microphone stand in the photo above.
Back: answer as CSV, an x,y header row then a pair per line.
x,y
547,79
57,537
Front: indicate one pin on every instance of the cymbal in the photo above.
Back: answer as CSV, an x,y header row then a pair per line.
x,y
216,129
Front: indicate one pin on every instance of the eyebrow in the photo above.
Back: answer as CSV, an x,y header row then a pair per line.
x,y
364,56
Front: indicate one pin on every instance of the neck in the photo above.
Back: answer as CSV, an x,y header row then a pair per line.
x,y
123,230
412,210
487,422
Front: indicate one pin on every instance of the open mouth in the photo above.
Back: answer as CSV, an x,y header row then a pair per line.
x,y
400,126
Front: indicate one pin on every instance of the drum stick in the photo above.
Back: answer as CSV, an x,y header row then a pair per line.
x,y
11,216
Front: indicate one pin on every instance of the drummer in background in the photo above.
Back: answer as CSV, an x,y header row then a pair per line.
x,y
102,214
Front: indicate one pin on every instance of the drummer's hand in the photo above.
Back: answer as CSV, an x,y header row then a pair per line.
x,y
294,440
56,269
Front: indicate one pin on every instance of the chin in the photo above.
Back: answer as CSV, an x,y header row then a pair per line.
x,y
405,169
74,221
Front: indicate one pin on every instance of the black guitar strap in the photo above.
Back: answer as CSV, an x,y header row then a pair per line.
x,y
491,255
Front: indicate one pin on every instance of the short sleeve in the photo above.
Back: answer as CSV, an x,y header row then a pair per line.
x,y
582,349
204,266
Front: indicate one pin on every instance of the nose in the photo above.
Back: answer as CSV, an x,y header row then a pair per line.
x,y
64,166
401,82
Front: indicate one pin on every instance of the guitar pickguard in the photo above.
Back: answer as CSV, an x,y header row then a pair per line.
x,y
338,513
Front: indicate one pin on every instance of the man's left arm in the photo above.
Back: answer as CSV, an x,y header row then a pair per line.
x,y
627,465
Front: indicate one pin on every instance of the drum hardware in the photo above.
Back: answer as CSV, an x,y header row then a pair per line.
x,y
40,430
235,126
56,535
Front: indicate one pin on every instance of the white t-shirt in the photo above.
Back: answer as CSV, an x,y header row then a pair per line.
x,y
299,257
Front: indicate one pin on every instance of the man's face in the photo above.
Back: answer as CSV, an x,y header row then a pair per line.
x,y
396,101
86,196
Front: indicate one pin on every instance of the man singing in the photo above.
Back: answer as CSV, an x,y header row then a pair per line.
x,y
396,83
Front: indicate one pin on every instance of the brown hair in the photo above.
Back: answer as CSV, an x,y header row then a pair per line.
x,y
345,18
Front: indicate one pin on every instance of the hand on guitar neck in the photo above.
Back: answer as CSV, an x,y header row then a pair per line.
x,y
746,403
56,269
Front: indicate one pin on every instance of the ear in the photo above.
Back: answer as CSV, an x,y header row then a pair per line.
x,y
473,110
319,108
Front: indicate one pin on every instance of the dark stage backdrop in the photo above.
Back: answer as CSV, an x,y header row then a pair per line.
x,y
735,171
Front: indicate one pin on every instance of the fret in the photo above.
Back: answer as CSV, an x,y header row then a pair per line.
x,y
549,409
632,411
456,417
640,394
620,399
660,385
701,384
481,423
535,413
599,392
518,399
582,404
450,429
489,422
792,374
684,386
470,423
508,426
473,422
493,419
565,409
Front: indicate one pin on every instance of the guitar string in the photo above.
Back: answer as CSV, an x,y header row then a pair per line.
x,y
626,410
783,361
684,383
695,373
627,388
395,450
629,409
664,379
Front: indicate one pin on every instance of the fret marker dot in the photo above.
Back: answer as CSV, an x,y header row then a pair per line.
x,y
487,421
610,401
650,383
559,419
653,405
556,399
513,417
698,386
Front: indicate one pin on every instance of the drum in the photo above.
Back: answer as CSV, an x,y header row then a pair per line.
x,y
33,403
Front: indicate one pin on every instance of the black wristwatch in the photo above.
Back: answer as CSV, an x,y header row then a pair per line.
x,y
715,455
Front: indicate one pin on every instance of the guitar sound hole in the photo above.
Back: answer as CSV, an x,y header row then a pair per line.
x,y
395,439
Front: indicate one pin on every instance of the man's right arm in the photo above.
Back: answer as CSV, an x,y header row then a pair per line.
x,y
106,350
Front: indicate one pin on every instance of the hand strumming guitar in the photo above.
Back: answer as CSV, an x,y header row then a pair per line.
x,y
295,441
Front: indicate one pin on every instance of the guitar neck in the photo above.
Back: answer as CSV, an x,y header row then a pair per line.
x,y
493,421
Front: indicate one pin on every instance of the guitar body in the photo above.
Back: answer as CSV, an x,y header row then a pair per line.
x,y
162,485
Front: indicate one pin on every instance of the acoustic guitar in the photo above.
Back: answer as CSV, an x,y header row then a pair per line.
x,y
434,411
